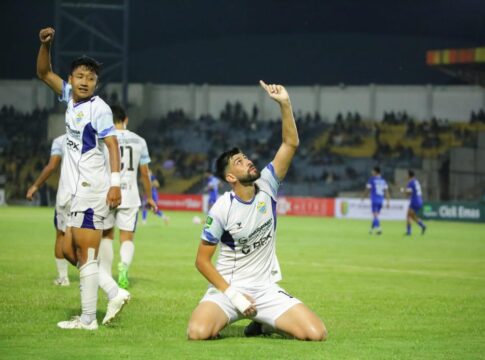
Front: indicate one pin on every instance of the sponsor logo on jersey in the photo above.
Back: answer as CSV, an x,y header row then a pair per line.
x,y
247,248
72,145
256,240
261,207
73,132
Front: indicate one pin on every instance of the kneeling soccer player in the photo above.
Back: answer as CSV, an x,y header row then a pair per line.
x,y
243,284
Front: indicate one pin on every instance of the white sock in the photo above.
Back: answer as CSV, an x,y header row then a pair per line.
x,y
105,255
127,250
62,266
107,283
89,281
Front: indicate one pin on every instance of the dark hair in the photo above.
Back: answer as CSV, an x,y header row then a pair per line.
x,y
411,173
377,169
119,114
223,161
88,62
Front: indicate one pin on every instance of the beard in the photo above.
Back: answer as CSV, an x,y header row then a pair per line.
x,y
249,178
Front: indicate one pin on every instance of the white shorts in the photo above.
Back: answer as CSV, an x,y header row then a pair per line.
x,y
61,216
124,219
88,213
271,303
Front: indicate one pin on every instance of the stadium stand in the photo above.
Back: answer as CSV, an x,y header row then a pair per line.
x,y
333,157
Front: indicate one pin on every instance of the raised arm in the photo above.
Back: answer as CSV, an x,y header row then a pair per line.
x,y
290,140
147,186
113,198
47,171
44,67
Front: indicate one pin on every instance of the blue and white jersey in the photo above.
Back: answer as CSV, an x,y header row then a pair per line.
x,y
133,153
87,122
59,149
246,232
213,188
414,188
377,186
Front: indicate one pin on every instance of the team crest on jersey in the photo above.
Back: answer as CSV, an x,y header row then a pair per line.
x,y
79,116
261,207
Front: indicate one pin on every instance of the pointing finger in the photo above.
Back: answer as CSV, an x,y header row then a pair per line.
x,y
264,85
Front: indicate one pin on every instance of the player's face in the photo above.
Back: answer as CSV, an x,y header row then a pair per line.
x,y
242,169
83,82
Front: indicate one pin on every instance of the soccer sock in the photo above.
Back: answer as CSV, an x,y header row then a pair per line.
x,y
408,228
127,250
105,255
420,223
89,280
378,224
107,283
375,223
144,214
62,265
159,213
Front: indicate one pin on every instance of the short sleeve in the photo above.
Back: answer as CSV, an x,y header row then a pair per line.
x,y
410,186
145,156
369,184
103,122
269,176
66,94
214,227
58,146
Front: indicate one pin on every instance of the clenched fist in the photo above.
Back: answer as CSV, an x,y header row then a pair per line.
x,y
46,35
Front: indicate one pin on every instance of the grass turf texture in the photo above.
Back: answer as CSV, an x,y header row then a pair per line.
x,y
381,297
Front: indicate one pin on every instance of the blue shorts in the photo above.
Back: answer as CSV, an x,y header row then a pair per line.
x,y
415,207
376,207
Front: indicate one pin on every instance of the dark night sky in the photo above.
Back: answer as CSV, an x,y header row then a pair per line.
x,y
232,41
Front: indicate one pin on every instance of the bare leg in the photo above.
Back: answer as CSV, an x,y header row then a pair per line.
x,y
85,239
299,321
206,321
68,248
58,247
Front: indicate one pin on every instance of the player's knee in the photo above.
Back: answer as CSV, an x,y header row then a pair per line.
x,y
198,331
314,333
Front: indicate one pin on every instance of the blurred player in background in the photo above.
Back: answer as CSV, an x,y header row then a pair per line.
x,y
212,188
89,124
378,189
243,284
61,211
134,156
413,190
154,197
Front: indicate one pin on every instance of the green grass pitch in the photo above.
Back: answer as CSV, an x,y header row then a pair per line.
x,y
381,297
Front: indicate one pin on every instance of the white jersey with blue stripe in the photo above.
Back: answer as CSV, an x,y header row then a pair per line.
x,y
134,152
59,149
87,123
246,232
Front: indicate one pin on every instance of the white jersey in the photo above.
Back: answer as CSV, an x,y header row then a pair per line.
x,y
84,166
59,148
134,152
247,234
